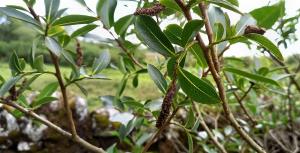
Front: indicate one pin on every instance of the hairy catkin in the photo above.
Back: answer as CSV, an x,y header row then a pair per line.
x,y
79,54
166,105
254,29
151,11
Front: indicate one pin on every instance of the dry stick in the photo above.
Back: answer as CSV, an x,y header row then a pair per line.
x,y
211,62
149,143
206,128
124,49
52,126
240,100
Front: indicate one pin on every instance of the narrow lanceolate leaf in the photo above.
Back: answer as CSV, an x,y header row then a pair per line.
x,y
101,62
190,30
197,89
74,20
106,11
152,35
123,23
266,43
11,12
174,32
225,5
190,142
251,76
158,78
234,2
83,30
14,64
47,91
42,101
170,4
38,63
199,55
244,21
51,8
267,16
8,85
53,46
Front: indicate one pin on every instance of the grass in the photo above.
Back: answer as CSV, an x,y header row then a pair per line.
x,y
146,89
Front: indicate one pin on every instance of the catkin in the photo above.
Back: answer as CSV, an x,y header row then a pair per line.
x,y
151,11
79,54
166,105
254,29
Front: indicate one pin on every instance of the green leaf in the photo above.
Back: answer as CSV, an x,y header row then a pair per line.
x,y
190,119
244,21
74,20
122,24
83,30
51,8
102,62
18,15
268,15
9,84
14,64
170,4
28,83
198,54
122,86
82,89
265,42
152,35
106,11
251,76
55,31
158,78
16,7
217,16
190,30
42,101
53,46
218,34
234,2
135,81
197,89
174,32
47,91
68,57
38,63
190,142
226,5
64,40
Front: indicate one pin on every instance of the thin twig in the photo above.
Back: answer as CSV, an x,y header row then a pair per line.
x,y
240,100
56,128
208,131
286,70
158,132
124,49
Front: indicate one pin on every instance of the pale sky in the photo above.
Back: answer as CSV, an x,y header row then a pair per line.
x,y
128,7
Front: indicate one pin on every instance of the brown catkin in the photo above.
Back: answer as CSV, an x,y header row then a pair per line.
x,y
79,53
254,29
151,11
166,105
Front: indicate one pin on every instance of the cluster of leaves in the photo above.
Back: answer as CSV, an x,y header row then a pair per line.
x,y
175,43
